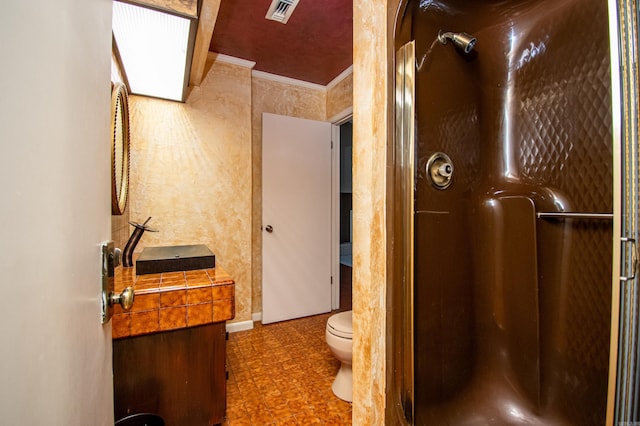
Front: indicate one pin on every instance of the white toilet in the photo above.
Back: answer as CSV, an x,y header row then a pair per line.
x,y
339,338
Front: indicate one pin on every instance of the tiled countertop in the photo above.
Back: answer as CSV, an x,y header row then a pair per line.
x,y
173,300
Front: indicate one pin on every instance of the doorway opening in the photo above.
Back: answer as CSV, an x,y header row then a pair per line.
x,y
342,210
345,213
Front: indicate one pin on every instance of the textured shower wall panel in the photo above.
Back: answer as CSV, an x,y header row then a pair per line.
x,y
525,116
444,316
563,136
191,172
448,121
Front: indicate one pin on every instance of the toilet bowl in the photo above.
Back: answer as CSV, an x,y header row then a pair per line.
x,y
338,334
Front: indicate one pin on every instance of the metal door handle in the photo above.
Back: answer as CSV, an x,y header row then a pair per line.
x,y
633,261
269,229
125,299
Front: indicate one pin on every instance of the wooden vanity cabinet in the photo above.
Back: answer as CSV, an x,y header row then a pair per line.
x,y
179,375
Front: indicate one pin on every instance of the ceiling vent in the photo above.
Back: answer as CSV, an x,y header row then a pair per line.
x,y
281,10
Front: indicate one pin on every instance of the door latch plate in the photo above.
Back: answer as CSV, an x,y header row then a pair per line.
x,y
110,259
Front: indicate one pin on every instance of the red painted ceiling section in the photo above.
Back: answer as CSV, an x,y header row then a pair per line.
x,y
314,46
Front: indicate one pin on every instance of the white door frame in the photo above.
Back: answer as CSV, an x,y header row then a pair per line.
x,y
336,121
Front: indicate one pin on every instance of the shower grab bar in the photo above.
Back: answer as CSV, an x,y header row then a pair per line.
x,y
574,215
633,264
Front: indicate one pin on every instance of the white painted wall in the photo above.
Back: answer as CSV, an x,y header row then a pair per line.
x,y
55,357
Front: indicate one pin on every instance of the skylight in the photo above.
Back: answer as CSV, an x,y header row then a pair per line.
x,y
155,49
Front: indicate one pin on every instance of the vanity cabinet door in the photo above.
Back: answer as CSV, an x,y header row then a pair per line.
x,y
178,374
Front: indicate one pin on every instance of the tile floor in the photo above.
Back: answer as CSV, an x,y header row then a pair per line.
x,y
281,374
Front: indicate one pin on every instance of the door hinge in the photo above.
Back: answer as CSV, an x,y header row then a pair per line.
x,y
331,144
331,279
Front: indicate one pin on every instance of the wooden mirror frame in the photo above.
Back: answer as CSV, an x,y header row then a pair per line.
x,y
119,148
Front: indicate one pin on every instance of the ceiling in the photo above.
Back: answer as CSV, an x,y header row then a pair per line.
x,y
314,46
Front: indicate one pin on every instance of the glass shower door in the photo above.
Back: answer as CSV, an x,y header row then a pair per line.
x,y
627,321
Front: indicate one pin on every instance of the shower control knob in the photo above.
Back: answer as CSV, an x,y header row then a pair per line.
x,y
445,170
440,170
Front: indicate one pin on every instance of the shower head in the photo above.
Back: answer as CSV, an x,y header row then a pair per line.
x,y
464,41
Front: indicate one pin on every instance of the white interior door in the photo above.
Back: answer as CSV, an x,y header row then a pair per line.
x,y
296,217
55,355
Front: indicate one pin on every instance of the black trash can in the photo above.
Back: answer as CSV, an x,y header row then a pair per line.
x,y
141,419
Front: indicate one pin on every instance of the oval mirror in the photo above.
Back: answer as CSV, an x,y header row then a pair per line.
x,y
119,148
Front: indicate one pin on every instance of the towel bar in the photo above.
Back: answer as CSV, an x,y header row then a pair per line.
x,y
574,215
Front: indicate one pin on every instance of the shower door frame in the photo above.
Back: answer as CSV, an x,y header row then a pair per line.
x,y
624,371
404,169
617,195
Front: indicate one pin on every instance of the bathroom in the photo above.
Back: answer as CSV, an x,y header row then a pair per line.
x,y
196,167
74,385
373,23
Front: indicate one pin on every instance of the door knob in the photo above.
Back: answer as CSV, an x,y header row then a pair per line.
x,y
269,229
125,299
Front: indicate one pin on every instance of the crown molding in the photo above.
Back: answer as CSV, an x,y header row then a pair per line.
x,y
344,74
219,57
342,117
287,80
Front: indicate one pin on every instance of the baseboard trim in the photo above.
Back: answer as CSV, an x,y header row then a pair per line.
x,y
239,326
256,316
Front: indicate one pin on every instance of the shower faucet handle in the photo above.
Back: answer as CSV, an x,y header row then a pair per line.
x,y
445,170
440,170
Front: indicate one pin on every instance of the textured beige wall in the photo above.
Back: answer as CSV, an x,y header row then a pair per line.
x,y
370,138
191,171
193,165
340,97
284,99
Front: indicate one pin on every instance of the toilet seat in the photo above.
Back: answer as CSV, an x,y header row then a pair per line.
x,y
341,324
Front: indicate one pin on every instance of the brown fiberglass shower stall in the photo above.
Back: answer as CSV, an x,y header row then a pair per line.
x,y
503,219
